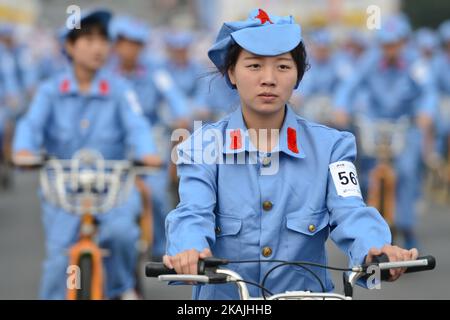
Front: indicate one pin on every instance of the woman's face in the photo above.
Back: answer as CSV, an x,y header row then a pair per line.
x,y
264,83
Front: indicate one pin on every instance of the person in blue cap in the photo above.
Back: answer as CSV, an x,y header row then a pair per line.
x,y
427,41
15,72
263,183
22,71
397,89
155,88
86,107
188,73
355,47
323,77
443,85
151,81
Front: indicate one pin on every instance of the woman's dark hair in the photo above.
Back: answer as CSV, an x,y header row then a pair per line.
x,y
298,54
88,26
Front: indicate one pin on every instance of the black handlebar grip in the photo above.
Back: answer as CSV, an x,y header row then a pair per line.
x,y
385,275
155,269
138,164
431,264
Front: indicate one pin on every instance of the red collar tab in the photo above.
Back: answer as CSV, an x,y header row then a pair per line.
x,y
236,139
104,87
292,140
65,86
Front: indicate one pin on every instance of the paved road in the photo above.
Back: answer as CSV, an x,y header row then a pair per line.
x,y
22,251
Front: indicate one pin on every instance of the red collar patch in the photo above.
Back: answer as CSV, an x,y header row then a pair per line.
x,y
65,86
104,87
263,16
236,139
292,139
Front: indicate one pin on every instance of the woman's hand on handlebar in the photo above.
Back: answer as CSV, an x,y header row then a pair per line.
x,y
152,161
26,159
394,253
186,262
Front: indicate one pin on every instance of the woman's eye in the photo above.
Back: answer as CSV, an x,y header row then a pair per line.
x,y
284,67
253,66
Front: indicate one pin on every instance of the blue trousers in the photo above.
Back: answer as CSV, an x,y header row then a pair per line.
x,y
158,184
118,232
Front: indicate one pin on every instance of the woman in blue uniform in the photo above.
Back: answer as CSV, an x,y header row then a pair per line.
x,y
264,183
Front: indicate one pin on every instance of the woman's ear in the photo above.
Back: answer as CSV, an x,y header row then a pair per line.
x,y
232,76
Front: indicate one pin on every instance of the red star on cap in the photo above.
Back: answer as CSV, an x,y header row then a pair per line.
x,y
292,139
263,16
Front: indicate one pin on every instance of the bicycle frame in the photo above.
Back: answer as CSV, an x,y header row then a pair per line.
x,y
87,245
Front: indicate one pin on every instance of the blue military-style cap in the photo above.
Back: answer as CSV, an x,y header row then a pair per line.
x,y
393,29
261,34
444,31
101,15
179,39
426,39
129,28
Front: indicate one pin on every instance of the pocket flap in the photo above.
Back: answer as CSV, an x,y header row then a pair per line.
x,y
310,224
227,225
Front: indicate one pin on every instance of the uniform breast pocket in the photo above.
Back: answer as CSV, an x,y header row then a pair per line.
x,y
306,235
228,243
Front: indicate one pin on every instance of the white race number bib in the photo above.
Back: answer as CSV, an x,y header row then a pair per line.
x,y
345,179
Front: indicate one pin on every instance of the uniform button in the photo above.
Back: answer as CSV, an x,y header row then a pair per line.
x,y
312,228
266,252
266,161
218,230
267,205
84,124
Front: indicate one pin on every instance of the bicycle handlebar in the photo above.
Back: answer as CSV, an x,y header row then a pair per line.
x,y
420,264
155,269
39,162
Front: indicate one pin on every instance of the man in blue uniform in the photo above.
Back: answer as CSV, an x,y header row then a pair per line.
x,y
154,86
396,88
442,78
188,74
